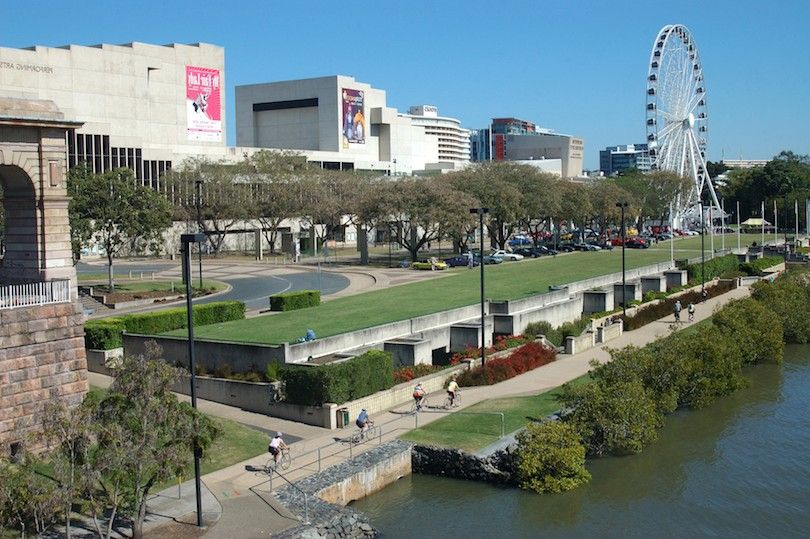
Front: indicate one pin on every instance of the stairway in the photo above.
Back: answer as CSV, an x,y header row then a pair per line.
x,y
91,306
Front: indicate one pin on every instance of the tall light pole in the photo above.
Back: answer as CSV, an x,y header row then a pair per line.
x,y
623,205
186,240
198,185
702,250
481,212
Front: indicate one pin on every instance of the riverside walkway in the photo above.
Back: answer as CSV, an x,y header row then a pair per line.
x,y
244,490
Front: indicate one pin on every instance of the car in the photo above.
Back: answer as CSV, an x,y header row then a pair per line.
x,y
506,255
430,264
546,250
637,243
488,259
566,248
586,247
459,260
604,245
519,241
531,252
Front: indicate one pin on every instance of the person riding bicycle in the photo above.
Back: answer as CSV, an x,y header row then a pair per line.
x,y
691,310
452,391
276,446
419,394
676,310
363,422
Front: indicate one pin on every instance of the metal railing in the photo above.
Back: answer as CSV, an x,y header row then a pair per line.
x,y
34,294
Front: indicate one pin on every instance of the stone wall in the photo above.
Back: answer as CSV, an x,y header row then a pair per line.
x,y
42,359
497,468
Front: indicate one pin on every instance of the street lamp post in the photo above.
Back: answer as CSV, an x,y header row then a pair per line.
x,y
186,241
198,185
623,205
702,250
481,212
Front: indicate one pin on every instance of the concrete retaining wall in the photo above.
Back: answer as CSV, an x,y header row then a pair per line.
x,y
607,333
574,345
556,314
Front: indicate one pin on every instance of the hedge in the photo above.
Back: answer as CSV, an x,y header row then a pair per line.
x,y
291,301
756,267
339,382
105,333
526,358
715,267
651,313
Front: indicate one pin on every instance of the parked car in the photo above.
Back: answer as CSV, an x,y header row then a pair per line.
x,y
604,245
519,241
506,255
532,252
586,247
488,259
637,243
566,248
459,260
431,264
546,250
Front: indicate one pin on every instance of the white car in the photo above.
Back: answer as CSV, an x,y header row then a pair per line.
x,y
506,255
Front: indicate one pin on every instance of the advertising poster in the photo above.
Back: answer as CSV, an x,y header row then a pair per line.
x,y
354,118
203,104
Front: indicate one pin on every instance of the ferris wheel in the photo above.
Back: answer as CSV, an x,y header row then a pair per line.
x,y
677,117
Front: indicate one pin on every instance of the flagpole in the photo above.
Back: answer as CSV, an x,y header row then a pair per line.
x,y
672,239
711,228
738,225
723,225
762,214
796,211
775,224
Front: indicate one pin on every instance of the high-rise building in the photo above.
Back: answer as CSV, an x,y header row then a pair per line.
x,y
453,140
512,139
615,159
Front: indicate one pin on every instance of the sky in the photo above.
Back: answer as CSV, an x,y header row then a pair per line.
x,y
573,66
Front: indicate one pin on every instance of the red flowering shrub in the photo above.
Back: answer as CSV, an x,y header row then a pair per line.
x,y
525,358
406,374
502,342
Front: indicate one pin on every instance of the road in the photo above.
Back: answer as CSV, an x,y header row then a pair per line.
x,y
251,284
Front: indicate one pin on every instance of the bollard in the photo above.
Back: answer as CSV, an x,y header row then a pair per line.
x,y
319,459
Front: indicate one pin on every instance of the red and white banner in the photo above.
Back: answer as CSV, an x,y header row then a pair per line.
x,y
203,104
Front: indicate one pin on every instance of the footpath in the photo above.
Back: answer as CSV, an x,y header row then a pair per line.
x,y
244,490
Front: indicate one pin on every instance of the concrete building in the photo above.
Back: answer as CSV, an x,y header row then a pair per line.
x,y
341,123
146,107
744,163
615,159
453,140
512,139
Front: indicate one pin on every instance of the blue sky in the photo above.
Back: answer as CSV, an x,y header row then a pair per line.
x,y
574,66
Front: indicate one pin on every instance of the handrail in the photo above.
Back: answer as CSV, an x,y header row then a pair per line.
x,y
306,496
34,294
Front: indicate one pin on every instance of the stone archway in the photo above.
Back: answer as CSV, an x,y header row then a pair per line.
x,y
42,355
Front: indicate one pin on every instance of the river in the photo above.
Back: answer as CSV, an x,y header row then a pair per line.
x,y
739,468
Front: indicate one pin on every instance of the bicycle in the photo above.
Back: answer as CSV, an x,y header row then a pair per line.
x,y
455,402
284,462
421,407
359,436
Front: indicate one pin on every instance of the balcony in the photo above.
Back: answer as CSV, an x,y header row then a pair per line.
x,y
13,296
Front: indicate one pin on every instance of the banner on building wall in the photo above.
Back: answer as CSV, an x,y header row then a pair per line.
x,y
354,117
203,104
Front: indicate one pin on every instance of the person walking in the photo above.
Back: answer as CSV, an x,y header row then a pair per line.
x,y
691,310
676,310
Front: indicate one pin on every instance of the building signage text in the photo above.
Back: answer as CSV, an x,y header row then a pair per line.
x,y
25,67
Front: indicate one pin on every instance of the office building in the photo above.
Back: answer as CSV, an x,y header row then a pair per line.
x,y
512,139
615,159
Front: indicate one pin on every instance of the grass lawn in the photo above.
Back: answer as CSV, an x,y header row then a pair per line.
x,y
474,432
149,286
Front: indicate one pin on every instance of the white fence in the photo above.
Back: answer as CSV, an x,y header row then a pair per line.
x,y
32,294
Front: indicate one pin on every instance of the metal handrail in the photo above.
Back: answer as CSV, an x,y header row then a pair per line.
x,y
296,487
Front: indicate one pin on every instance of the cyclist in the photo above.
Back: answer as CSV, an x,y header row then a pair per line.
x,y
363,422
452,391
419,394
691,310
276,446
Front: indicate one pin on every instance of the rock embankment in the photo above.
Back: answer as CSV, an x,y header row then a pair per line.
x,y
497,468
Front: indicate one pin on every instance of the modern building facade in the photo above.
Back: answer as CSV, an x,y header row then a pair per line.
x,y
145,107
615,159
512,139
341,123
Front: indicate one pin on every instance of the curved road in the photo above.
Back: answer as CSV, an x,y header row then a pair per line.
x,y
253,290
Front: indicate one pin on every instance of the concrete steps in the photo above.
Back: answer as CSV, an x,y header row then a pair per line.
x,y
90,305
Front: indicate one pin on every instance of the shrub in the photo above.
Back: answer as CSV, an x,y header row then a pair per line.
x,y
788,297
271,371
757,267
550,458
714,267
338,382
99,334
299,299
103,334
756,331
525,358
406,374
536,329
617,419
652,295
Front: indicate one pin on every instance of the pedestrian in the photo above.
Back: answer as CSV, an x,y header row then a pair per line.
x,y
704,295
469,260
676,310
691,310
297,252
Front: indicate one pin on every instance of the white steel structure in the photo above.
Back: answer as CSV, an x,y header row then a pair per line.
x,y
676,116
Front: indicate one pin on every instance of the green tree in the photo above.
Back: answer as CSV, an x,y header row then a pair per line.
x,y
756,331
550,458
29,501
617,419
146,432
117,211
539,201
788,297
